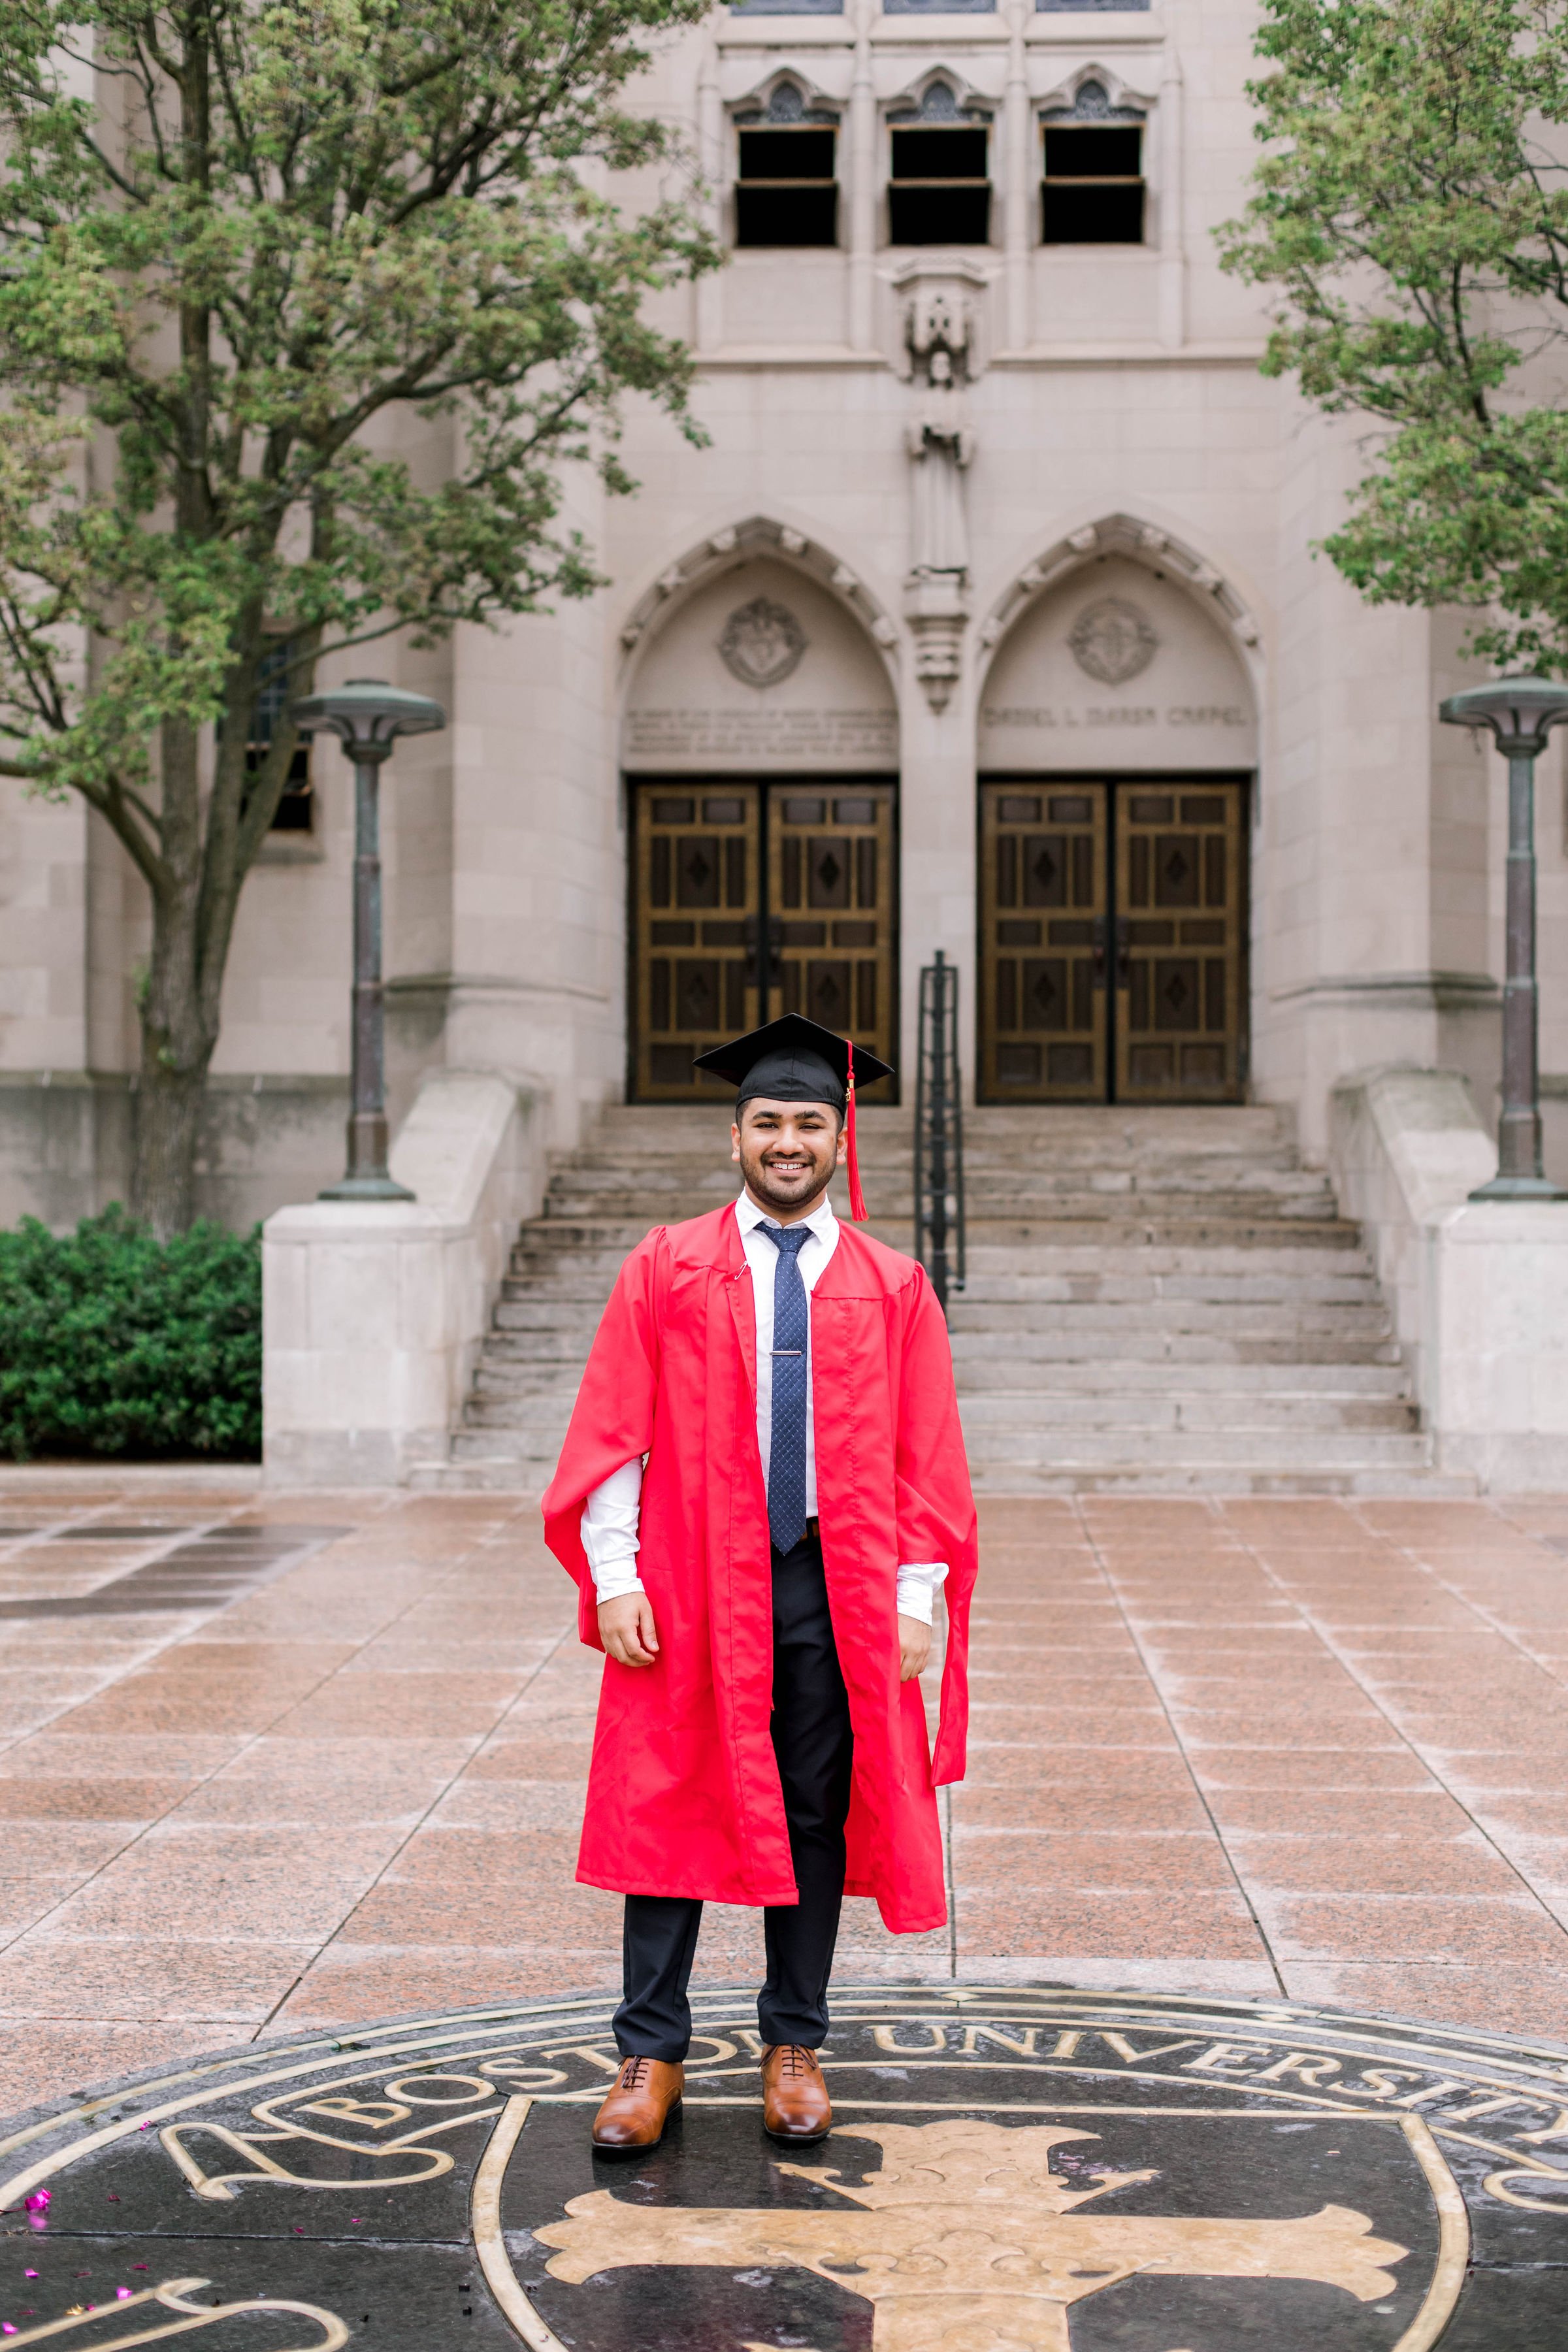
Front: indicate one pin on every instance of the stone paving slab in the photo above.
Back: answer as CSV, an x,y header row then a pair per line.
x,y
1314,1750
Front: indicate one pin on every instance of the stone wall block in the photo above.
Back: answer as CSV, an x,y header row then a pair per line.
x,y
373,1312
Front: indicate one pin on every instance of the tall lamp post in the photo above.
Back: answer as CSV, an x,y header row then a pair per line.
x,y
1520,713
368,716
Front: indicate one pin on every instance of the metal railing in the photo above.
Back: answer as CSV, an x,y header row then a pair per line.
x,y
938,1132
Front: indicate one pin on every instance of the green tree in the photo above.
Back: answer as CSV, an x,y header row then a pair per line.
x,y
1411,220
238,239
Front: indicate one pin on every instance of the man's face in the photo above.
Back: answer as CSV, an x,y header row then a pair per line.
x,y
787,1152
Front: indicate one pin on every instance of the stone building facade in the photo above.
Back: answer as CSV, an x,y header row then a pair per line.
x,y
989,620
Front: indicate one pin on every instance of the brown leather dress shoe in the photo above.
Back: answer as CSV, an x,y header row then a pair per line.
x,y
634,2112
796,2105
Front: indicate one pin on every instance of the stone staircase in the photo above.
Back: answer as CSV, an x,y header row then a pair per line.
x,y
1158,1301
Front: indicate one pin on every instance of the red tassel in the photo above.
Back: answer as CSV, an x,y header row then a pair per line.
x,y
856,1198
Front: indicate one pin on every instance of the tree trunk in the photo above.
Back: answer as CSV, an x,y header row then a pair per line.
x,y
179,1008
164,1176
177,1043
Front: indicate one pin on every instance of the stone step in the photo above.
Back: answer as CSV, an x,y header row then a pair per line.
x,y
711,1174
1072,1271
485,1471
1159,1300
1029,1411
503,1397
1074,1320
474,1441
986,1181
1315,1449
545,1418
1163,1131
1261,1477
1011,1368
535,1335
546,1237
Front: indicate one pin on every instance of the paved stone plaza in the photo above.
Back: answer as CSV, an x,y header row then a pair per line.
x,y
1244,1775
332,1774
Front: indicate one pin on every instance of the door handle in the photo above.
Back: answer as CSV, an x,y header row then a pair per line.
x,y
1100,939
1124,952
765,939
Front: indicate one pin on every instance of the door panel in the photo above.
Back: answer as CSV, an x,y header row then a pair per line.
x,y
697,866
1043,868
701,848
1181,940
832,862
1142,884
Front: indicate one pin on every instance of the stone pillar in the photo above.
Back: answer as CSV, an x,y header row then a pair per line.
x,y
1173,249
863,186
1019,196
709,300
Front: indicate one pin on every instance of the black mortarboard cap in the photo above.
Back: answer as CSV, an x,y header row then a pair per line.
x,y
793,1060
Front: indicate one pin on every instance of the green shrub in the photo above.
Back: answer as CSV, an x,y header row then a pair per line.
x,y
114,1342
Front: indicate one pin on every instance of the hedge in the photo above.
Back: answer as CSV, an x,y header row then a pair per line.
x,y
112,1342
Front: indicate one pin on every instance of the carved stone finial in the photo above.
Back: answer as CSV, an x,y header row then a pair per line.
x,y
843,579
1080,542
791,542
937,614
722,542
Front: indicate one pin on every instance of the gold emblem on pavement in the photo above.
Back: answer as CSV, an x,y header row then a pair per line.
x,y
966,2239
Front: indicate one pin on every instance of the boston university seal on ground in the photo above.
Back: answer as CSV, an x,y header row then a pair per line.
x,y
1012,2170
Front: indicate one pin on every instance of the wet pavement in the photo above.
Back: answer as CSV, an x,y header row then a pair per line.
x,y
271,1765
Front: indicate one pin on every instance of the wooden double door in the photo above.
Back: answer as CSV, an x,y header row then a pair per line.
x,y
750,899
1113,941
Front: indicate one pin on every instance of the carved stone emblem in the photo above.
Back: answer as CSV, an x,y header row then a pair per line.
x,y
762,642
1113,640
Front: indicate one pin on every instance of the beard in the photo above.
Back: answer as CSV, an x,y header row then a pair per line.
x,y
792,1191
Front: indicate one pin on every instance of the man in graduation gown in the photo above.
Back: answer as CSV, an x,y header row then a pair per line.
x,y
762,1486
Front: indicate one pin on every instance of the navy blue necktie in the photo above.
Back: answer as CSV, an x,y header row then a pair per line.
x,y
786,1461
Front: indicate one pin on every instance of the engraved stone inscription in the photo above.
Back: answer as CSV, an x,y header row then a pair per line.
x,y
766,732
1069,715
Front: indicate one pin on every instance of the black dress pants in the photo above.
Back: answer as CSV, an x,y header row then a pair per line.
x,y
814,1748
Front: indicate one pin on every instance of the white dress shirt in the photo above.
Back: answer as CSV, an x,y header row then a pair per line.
x,y
611,1515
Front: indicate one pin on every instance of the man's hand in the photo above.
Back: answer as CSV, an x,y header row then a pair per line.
x,y
626,1629
914,1645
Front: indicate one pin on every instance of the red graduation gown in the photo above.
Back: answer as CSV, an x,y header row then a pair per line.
x,y
683,1792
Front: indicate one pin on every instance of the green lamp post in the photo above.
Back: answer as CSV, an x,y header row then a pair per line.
x,y
368,716
1520,713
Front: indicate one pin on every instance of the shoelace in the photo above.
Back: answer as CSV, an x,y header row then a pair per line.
x,y
630,2077
798,2060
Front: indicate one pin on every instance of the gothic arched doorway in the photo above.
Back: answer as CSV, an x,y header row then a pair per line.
x,y
1116,741
761,749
